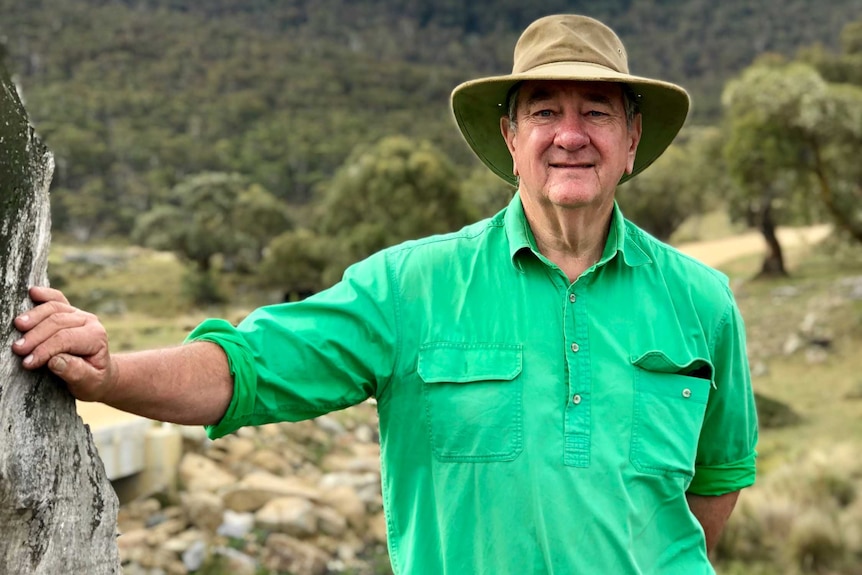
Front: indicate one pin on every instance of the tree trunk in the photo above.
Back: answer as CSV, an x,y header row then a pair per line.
x,y
773,262
58,511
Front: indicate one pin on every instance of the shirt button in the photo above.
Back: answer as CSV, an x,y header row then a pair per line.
x,y
575,347
572,297
686,393
576,399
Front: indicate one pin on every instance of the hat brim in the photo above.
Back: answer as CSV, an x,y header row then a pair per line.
x,y
479,104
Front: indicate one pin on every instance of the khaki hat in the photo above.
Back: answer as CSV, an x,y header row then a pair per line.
x,y
566,47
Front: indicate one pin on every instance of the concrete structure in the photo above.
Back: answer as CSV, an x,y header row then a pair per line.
x,y
140,455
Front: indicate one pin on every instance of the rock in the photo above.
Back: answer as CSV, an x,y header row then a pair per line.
x,y
203,509
159,534
377,528
238,448
184,541
365,434
235,562
291,515
275,463
792,344
347,503
256,489
808,323
330,521
816,355
132,543
236,525
198,473
364,459
284,553
194,556
330,425
759,369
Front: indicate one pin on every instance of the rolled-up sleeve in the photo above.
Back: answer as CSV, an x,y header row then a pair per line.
x,y
299,360
726,450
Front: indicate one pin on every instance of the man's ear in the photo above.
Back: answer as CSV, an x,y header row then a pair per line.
x,y
509,131
634,136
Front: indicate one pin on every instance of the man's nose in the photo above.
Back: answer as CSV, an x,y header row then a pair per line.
x,y
572,132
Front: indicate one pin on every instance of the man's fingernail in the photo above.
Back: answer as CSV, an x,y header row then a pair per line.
x,y
20,342
58,365
28,360
24,318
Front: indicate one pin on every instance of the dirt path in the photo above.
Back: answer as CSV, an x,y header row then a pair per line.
x,y
718,252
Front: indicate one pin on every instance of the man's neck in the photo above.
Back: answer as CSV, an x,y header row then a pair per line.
x,y
573,238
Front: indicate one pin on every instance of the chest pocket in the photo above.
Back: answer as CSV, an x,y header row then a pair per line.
x,y
473,400
669,405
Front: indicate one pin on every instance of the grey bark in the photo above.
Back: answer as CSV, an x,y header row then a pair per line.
x,y
58,511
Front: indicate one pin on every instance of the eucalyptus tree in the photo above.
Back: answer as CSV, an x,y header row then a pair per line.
x,y
395,190
792,148
210,218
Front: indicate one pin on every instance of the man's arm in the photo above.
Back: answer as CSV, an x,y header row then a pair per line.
x,y
190,384
712,512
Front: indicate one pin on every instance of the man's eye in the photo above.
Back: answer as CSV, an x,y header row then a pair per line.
x,y
544,113
596,113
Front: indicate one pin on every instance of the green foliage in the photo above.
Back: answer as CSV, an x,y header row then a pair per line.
x,y
295,262
214,214
201,288
396,190
794,137
686,180
484,193
135,96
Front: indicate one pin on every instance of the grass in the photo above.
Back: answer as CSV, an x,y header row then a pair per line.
x,y
803,515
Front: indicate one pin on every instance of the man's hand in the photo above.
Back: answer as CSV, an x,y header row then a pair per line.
x,y
72,343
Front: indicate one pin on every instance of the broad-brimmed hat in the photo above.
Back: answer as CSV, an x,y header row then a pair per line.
x,y
566,47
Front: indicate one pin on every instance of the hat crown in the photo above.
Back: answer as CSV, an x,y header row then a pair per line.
x,y
569,38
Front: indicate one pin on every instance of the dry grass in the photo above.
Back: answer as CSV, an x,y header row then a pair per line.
x,y
804,515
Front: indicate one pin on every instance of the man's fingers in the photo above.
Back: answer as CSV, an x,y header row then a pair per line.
x,y
84,381
71,369
42,294
59,332
26,321
79,334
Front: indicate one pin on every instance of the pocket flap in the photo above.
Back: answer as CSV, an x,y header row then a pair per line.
x,y
442,362
660,362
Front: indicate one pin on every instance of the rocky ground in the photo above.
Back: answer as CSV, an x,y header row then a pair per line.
x,y
298,498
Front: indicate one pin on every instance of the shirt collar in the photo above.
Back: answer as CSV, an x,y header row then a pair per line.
x,y
619,240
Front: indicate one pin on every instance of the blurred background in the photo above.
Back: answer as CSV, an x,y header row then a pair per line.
x,y
216,156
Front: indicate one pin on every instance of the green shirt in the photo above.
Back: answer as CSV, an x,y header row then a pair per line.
x,y
528,425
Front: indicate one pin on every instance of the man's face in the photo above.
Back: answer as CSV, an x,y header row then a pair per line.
x,y
571,144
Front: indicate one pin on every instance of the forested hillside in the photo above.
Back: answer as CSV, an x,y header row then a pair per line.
x,y
134,95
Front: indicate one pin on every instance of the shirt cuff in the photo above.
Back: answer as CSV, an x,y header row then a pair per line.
x,y
714,480
241,363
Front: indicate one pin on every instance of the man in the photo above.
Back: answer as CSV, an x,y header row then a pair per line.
x,y
559,393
